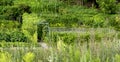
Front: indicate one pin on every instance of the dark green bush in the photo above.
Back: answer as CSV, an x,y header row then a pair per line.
x,y
108,6
6,2
14,12
4,36
8,24
118,35
114,21
15,36
74,16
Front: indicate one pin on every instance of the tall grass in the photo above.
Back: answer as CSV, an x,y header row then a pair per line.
x,y
103,51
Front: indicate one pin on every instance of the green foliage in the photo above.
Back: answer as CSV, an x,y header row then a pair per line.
x,y
118,35
14,44
69,47
66,37
61,45
57,13
71,37
43,31
18,36
15,36
4,36
108,6
117,22
29,26
9,25
97,52
14,12
99,20
6,2
5,57
29,57
114,21
117,58
97,59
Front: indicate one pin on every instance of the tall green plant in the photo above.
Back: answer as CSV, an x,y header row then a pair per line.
x,y
29,26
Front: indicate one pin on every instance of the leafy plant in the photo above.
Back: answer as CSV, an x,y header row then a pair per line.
x,y
117,58
6,2
29,26
108,6
15,36
5,57
29,57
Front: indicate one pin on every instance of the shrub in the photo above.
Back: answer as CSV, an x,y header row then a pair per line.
x,y
29,26
6,2
117,22
14,12
15,36
117,58
5,57
118,35
99,20
108,6
29,57
4,36
9,24
114,21
70,38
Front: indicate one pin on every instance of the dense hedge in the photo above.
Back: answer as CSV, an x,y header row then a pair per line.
x,y
15,36
58,13
8,25
6,2
71,38
14,12
10,11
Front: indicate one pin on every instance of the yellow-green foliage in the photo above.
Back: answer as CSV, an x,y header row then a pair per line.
x,y
97,59
29,26
5,57
61,45
29,57
117,22
117,58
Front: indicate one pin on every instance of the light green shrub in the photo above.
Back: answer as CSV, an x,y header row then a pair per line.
x,y
5,57
29,57
29,26
117,58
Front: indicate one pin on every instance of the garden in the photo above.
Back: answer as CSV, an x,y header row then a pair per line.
x,y
59,31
